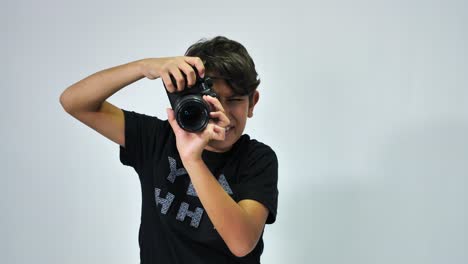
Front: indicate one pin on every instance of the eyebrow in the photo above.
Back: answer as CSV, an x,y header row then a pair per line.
x,y
233,96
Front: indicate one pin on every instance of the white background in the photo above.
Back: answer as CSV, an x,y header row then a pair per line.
x,y
365,103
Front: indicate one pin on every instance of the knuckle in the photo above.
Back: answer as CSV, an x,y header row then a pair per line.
x,y
165,68
170,87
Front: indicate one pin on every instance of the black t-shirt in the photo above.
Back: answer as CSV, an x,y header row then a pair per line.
x,y
174,225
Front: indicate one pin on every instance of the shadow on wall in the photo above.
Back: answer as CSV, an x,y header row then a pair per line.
x,y
420,215
412,209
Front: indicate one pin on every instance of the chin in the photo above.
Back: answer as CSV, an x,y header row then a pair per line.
x,y
221,146
226,144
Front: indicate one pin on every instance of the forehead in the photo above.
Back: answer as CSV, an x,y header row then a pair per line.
x,y
222,89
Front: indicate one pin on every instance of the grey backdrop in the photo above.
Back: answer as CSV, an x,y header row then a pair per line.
x,y
365,103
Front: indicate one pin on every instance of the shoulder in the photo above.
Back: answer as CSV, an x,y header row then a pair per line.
x,y
255,150
129,114
146,131
144,121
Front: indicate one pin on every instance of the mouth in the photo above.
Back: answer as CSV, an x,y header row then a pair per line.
x,y
228,128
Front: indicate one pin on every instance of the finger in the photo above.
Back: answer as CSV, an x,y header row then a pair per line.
x,y
218,133
189,72
197,63
168,82
222,119
179,78
214,102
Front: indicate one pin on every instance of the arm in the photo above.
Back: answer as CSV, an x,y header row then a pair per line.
x,y
239,224
85,100
88,94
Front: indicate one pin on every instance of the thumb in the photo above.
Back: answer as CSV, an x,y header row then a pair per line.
x,y
170,114
172,120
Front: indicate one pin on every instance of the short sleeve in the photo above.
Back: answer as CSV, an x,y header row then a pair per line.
x,y
140,138
259,179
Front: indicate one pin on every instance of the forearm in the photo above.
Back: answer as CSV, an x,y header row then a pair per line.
x,y
88,94
230,219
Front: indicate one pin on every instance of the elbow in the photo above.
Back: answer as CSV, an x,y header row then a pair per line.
x,y
63,101
242,249
240,254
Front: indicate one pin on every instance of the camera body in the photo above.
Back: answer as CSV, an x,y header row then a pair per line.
x,y
191,111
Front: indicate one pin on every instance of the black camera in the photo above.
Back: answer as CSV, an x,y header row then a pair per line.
x,y
191,111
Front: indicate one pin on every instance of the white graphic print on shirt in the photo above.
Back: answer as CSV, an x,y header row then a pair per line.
x,y
183,211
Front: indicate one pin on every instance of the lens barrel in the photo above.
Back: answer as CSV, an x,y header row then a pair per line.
x,y
192,113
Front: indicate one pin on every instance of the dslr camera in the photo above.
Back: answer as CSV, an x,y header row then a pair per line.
x,y
191,111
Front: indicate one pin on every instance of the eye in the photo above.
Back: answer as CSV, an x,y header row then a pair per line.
x,y
235,99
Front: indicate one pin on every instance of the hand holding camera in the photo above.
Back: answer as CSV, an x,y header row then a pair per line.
x,y
192,112
197,117
164,68
185,86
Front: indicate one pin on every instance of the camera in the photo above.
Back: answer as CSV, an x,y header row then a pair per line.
x,y
191,111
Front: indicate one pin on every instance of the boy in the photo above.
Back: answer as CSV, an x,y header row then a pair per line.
x,y
206,196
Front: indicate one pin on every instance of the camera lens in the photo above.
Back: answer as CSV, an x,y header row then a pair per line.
x,y
192,113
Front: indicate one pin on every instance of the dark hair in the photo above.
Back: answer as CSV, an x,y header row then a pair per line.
x,y
229,60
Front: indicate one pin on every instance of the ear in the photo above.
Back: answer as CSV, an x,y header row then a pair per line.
x,y
255,98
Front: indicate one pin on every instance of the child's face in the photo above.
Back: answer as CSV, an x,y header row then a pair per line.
x,y
237,109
